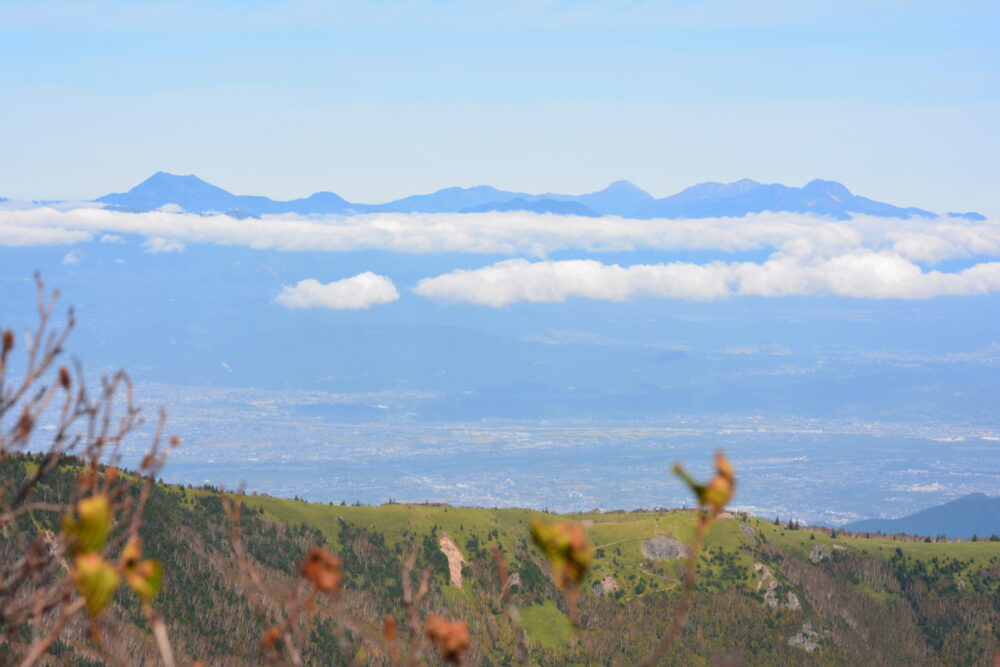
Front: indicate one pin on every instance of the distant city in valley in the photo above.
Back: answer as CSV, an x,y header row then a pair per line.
x,y
373,448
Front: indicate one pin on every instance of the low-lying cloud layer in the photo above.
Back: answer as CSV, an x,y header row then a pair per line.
x,y
867,257
355,293
862,274
14,234
519,233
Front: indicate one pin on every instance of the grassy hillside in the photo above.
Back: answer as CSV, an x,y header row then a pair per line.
x,y
764,595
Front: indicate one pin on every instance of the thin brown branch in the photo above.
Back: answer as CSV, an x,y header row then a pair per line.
x,y
162,641
523,648
38,649
411,604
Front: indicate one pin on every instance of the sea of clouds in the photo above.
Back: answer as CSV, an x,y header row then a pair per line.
x,y
866,257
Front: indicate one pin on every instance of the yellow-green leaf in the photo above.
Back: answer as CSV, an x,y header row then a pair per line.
x,y
142,576
90,524
96,580
713,496
145,577
566,547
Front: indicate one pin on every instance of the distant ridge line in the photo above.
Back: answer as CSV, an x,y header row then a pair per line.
x,y
974,514
621,198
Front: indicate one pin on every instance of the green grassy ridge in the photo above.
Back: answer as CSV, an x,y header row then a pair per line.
x,y
617,536
799,541
725,568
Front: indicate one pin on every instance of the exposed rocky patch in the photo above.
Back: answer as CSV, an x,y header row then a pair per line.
x,y
770,585
806,639
819,553
455,559
748,531
664,547
607,584
765,573
771,594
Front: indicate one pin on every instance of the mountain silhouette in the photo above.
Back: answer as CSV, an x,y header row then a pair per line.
x,y
974,514
197,196
740,198
621,198
972,216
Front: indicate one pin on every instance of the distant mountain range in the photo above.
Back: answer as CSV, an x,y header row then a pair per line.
x,y
974,514
621,198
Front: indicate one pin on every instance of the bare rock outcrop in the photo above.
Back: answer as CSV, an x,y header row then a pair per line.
x,y
765,574
819,553
771,594
607,584
770,584
455,558
806,639
664,547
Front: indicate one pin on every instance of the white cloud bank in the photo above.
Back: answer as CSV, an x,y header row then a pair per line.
x,y
13,234
866,257
355,293
519,233
862,274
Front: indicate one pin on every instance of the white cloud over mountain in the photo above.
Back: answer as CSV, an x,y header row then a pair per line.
x,y
355,293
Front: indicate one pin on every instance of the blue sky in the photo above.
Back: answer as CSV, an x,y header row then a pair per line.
x,y
376,100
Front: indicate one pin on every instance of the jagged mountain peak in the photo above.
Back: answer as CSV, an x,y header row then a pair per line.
x,y
166,175
743,184
821,186
714,189
326,196
623,186
164,178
